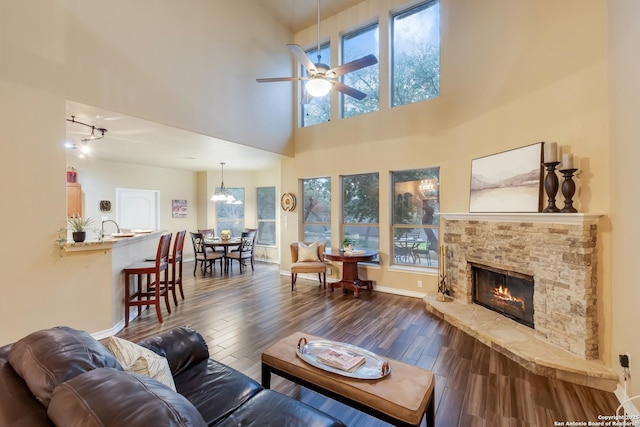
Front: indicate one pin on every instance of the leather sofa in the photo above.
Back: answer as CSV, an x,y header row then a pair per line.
x,y
64,377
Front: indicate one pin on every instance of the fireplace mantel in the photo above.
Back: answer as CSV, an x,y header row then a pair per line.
x,y
548,218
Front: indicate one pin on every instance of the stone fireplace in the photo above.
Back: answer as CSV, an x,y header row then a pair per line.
x,y
557,251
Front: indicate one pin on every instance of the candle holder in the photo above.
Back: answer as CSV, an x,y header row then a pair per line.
x,y
568,190
551,186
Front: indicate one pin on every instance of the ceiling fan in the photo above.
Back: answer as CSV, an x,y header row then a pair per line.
x,y
320,77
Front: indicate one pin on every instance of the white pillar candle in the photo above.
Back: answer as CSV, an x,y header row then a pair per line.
x,y
567,161
550,152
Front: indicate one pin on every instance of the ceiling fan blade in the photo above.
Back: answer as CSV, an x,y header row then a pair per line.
x,y
279,79
299,53
354,65
348,90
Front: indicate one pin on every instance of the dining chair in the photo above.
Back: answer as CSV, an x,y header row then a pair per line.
x,y
246,251
305,260
205,256
154,289
209,234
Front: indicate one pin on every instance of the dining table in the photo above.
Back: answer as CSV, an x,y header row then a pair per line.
x,y
226,245
350,260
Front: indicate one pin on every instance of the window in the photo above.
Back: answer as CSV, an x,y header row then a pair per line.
x,y
230,216
316,210
416,54
355,45
315,110
266,206
416,217
360,210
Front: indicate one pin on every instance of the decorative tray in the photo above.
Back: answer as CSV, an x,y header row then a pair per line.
x,y
373,368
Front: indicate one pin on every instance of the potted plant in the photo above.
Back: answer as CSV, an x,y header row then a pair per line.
x,y
225,234
78,226
347,244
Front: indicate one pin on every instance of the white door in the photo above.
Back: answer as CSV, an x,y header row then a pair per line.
x,y
137,209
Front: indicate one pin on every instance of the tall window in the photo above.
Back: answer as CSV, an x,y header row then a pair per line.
x,y
315,110
316,210
230,216
416,54
266,206
360,210
355,45
416,217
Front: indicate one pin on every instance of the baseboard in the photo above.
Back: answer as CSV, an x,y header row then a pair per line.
x,y
384,289
629,408
100,335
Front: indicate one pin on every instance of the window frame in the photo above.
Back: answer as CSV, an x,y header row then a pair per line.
x,y
306,100
303,205
392,57
431,239
376,51
238,222
343,224
260,222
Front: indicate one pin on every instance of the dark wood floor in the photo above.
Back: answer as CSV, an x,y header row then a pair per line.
x,y
240,315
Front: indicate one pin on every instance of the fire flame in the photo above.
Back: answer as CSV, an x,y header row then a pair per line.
x,y
503,293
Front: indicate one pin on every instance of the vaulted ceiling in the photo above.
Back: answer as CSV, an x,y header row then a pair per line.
x,y
133,140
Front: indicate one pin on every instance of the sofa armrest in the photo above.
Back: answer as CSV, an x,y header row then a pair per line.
x,y
182,347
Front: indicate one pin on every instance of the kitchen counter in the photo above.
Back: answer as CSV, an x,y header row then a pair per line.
x,y
108,242
108,258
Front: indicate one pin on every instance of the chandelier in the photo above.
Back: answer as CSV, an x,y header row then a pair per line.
x,y
222,195
428,186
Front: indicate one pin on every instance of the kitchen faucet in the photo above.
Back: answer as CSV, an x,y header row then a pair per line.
x,y
102,228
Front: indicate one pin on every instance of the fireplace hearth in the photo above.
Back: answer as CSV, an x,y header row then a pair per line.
x,y
506,292
559,251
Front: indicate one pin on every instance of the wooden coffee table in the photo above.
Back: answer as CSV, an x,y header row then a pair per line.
x,y
402,398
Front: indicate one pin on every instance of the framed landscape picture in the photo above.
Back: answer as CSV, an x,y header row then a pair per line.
x,y
510,181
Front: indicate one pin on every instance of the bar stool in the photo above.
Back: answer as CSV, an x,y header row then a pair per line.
x,y
175,262
154,289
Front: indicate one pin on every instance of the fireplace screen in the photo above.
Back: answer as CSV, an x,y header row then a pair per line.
x,y
508,293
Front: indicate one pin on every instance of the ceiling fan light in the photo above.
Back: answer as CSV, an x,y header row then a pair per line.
x,y
318,87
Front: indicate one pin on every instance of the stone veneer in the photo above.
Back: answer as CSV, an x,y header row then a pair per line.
x,y
558,250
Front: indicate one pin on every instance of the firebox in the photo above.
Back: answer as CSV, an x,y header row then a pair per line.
x,y
506,292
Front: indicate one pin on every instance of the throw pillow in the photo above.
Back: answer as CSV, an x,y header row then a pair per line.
x,y
140,360
308,253
47,358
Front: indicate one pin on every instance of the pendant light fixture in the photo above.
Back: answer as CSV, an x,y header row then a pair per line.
x,y
222,195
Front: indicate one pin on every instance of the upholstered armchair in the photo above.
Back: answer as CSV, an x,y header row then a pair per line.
x,y
308,257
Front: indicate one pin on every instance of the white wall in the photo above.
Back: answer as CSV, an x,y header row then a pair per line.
x,y
624,98
100,179
191,64
513,73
